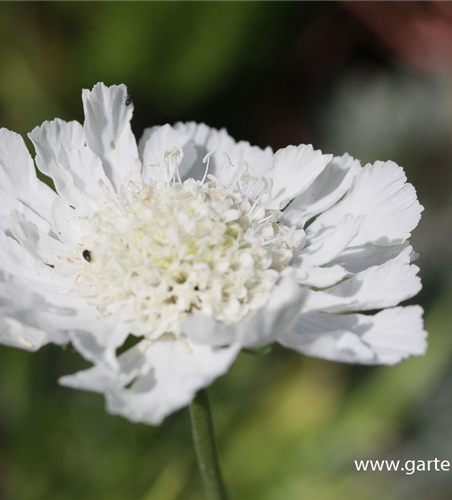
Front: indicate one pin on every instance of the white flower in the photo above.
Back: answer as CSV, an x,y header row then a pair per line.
x,y
197,246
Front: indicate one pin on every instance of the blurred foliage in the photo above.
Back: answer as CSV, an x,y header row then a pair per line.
x,y
288,427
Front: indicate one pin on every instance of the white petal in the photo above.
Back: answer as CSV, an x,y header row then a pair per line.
x,y
30,324
22,264
10,206
321,277
283,306
145,136
41,245
206,330
18,175
377,287
164,377
16,334
385,338
197,140
108,131
259,330
22,221
327,247
66,223
29,320
99,378
63,155
19,263
98,341
36,290
381,194
325,191
31,329
207,139
294,169
157,165
357,259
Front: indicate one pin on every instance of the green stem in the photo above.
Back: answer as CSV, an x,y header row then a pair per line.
x,y
206,452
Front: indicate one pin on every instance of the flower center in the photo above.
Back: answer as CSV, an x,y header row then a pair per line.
x,y
162,250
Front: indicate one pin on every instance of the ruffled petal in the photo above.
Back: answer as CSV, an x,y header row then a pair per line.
x,y
165,149
374,288
326,247
230,155
321,277
13,333
357,259
18,262
294,169
155,380
291,170
62,154
321,251
29,320
33,318
329,187
108,112
66,223
197,140
379,192
43,246
18,175
385,338
97,339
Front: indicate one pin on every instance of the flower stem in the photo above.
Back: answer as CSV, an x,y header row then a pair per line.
x,y
206,452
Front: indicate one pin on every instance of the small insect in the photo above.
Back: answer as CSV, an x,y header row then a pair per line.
x,y
129,99
87,255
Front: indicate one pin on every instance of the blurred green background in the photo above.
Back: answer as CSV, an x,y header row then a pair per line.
x,y
369,78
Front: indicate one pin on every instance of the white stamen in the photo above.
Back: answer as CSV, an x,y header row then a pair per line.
x,y
227,164
208,156
206,159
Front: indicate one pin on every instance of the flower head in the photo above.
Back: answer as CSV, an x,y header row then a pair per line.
x,y
198,246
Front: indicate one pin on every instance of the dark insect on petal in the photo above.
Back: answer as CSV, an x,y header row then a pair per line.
x,y
87,255
129,99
